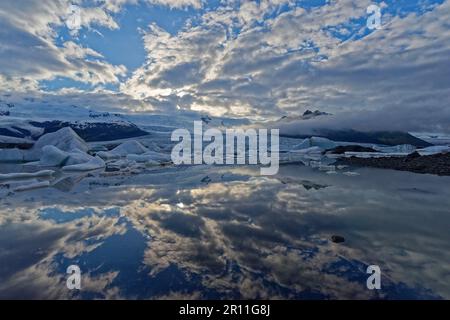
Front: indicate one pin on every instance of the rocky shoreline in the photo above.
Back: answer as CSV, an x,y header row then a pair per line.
x,y
438,164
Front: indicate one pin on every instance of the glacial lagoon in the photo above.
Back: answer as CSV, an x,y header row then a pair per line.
x,y
207,232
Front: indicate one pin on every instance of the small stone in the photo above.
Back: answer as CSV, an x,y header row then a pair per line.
x,y
337,239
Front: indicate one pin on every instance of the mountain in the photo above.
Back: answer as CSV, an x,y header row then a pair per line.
x,y
308,114
390,138
94,131
88,131
288,128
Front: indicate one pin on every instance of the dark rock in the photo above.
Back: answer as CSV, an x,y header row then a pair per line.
x,y
112,169
337,239
438,164
413,155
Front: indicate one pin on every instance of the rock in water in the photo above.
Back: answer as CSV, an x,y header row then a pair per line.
x,y
337,239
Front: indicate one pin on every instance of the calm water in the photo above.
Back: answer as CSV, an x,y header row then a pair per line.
x,y
221,232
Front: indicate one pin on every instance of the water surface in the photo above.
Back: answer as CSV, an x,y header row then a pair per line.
x,y
227,232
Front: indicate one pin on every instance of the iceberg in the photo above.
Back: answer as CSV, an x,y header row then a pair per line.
x,y
52,156
129,147
77,156
121,164
94,164
64,139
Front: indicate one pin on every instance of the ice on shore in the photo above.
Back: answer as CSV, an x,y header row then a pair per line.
x,y
311,150
23,175
126,148
319,142
433,150
374,154
400,149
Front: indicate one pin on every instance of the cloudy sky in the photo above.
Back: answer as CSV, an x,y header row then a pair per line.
x,y
259,59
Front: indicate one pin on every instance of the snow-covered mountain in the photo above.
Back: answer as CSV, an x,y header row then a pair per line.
x,y
317,123
308,114
31,120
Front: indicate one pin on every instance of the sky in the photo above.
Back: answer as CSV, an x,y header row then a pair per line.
x,y
255,59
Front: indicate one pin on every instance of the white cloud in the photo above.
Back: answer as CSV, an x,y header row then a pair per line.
x,y
292,61
28,49
249,59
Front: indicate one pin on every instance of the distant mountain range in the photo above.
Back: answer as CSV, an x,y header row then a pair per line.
x,y
27,121
30,122
390,138
308,114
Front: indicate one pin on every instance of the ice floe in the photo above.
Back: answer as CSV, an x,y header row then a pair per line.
x,y
77,156
93,164
150,156
351,173
14,140
374,154
126,148
32,186
12,155
24,175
